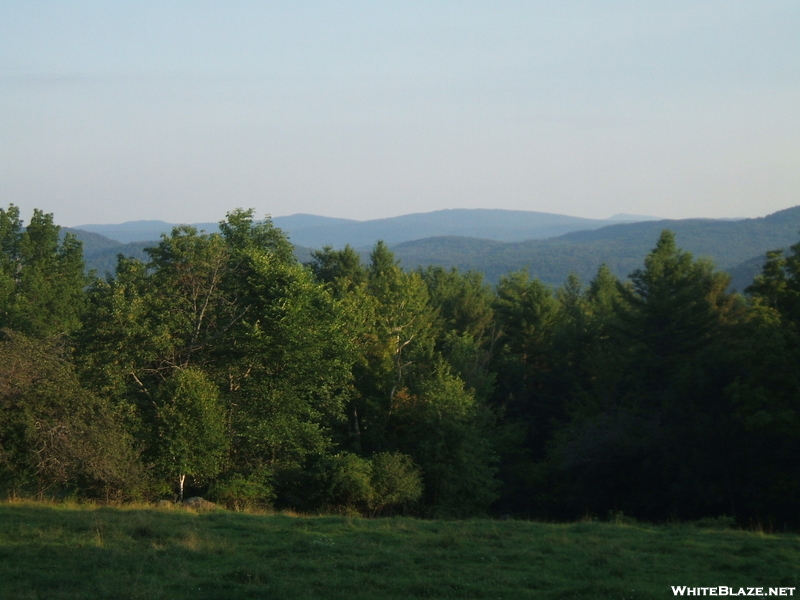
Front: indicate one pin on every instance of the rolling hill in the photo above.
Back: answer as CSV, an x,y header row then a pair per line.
x,y
734,245
315,231
622,247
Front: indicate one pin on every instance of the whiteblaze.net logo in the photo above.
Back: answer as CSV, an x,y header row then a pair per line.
x,y
722,590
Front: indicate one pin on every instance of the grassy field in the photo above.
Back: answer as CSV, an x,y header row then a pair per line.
x,y
62,551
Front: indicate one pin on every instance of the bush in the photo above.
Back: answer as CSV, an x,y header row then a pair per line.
x,y
350,483
240,492
396,481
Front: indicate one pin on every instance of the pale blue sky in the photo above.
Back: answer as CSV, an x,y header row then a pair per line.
x,y
113,111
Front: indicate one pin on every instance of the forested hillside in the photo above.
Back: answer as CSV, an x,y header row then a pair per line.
x,y
316,231
101,252
738,247
621,247
102,243
221,365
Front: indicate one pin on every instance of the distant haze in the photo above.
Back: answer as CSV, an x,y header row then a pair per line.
x,y
317,231
178,111
495,242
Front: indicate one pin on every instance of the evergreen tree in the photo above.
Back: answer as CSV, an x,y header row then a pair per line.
x,y
778,285
765,389
467,330
529,314
652,434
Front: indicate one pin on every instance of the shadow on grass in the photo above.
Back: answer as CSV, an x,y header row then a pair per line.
x,y
53,552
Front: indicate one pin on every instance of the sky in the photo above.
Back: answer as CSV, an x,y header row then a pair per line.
x,y
182,111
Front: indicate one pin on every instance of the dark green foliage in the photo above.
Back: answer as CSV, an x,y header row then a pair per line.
x,y
384,483
449,435
405,397
41,276
653,425
765,390
239,492
55,435
192,427
467,324
349,482
286,369
235,314
340,269
396,344
224,367
674,303
778,285
528,314
464,302
396,482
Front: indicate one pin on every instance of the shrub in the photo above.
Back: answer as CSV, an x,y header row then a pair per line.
x,y
349,482
243,492
396,481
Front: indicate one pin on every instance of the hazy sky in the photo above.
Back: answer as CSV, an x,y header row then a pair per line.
x,y
113,111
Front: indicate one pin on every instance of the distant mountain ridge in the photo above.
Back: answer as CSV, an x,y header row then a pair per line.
x,y
734,245
138,231
316,231
737,246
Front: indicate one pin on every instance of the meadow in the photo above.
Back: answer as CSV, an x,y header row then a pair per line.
x,y
64,551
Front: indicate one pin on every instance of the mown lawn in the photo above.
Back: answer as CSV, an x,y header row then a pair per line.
x,y
58,552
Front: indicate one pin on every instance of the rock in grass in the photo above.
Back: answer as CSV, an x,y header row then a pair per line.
x,y
198,503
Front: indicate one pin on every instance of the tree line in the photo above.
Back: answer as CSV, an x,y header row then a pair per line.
x,y
222,366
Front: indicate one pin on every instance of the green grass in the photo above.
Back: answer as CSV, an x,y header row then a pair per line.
x,y
62,551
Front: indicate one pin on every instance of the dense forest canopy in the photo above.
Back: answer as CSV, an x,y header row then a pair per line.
x,y
222,366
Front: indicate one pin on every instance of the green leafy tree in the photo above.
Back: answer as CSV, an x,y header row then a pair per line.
x,y
449,435
123,339
41,276
349,483
341,269
284,363
286,368
188,271
396,344
405,399
237,307
192,427
54,434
